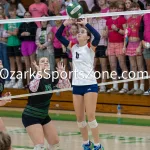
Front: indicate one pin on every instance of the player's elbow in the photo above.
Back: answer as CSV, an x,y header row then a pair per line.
x,y
96,41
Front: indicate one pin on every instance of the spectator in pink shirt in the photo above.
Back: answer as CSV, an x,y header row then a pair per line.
x,y
38,9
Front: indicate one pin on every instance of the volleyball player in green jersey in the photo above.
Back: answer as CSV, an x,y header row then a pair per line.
x,y
35,116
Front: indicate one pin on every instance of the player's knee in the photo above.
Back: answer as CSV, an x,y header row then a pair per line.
x,y
91,117
82,124
39,147
93,124
55,141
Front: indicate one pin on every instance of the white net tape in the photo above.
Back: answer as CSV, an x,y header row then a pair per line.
x,y
139,12
70,89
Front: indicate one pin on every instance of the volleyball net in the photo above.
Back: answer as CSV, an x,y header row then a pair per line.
x,y
132,67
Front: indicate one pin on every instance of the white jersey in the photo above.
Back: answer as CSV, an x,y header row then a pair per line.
x,y
83,65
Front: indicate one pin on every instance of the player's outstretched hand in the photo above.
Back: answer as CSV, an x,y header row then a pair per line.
x,y
36,66
83,21
6,100
1,64
60,67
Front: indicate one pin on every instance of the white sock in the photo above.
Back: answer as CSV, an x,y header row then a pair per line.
x,y
115,86
125,86
142,87
96,144
136,86
86,142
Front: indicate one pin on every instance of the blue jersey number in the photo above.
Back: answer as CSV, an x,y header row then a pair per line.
x,y
77,55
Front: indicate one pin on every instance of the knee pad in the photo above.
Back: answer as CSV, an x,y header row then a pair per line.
x,y
39,147
93,124
82,124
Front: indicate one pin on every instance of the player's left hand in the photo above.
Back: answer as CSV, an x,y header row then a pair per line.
x,y
1,65
7,100
83,21
60,68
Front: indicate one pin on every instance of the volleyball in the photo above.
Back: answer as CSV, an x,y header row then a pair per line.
x,y
74,10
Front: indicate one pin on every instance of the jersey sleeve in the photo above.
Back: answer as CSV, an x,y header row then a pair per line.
x,y
34,83
72,44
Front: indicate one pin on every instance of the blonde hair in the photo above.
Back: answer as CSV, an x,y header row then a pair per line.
x,y
5,141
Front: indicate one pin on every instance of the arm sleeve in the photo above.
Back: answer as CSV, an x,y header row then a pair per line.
x,y
141,30
96,35
59,36
63,83
34,84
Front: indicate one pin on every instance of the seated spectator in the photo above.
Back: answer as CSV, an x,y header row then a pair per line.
x,y
26,34
13,48
20,8
38,9
5,141
6,6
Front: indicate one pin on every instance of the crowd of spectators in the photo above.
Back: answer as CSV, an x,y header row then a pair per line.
x,y
123,45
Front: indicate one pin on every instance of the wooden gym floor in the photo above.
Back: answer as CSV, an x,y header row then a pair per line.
x,y
113,137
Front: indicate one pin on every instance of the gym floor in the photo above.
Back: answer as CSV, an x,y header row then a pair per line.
x,y
113,136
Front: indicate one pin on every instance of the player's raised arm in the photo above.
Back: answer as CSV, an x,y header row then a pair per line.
x,y
59,33
96,35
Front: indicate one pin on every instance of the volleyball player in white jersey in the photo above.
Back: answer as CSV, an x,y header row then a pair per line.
x,y
85,88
